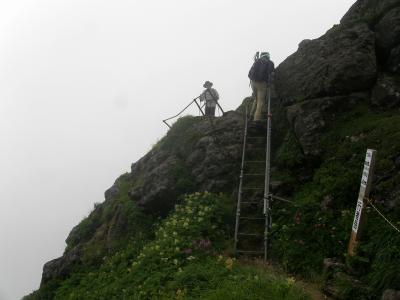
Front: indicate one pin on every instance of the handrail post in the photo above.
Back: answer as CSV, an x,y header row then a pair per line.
x,y
194,100
165,122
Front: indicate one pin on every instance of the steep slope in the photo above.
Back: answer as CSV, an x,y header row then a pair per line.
x,y
335,97
196,155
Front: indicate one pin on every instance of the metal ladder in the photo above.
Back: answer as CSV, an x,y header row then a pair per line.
x,y
247,207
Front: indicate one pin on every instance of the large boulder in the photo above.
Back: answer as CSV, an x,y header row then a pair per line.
x,y
386,93
393,63
307,121
388,31
211,164
341,62
369,11
309,118
60,267
156,189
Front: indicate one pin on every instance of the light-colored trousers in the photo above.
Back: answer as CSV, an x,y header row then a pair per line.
x,y
260,95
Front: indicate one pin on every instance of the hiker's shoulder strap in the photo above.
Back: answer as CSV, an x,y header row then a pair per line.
x,y
215,94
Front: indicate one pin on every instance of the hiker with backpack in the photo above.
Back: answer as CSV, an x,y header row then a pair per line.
x,y
260,76
210,97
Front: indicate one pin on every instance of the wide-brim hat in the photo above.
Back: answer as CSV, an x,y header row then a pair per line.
x,y
207,84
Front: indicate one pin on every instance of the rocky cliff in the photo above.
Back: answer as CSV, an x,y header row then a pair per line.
x,y
335,97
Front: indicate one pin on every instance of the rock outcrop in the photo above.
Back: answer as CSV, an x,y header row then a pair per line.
x,y
356,61
309,118
386,92
209,163
368,11
341,62
388,31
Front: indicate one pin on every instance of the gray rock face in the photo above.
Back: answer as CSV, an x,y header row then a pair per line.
x,y
215,154
60,267
388,31
156,182
111,193
393,63
386,92
341,62
309,118
369,11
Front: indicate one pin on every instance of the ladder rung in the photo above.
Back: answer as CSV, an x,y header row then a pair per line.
x,y
256,137
251,202
255,161
254,174
251,234
255,148
249,252
260,189
251,218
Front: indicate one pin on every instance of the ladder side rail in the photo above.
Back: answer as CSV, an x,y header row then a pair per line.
x,y
267,196
238,207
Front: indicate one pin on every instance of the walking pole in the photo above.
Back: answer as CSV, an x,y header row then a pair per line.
x,y
267,195
222,111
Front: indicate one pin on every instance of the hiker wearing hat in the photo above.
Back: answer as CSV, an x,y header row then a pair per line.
x,y
260,75
210,97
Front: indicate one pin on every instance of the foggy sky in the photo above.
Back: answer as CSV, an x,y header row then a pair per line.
x,y
85,84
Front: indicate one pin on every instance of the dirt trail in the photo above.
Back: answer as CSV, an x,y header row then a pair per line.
x,y
312,289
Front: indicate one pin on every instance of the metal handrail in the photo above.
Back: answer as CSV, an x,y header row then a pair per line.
x,y
198,106
177,115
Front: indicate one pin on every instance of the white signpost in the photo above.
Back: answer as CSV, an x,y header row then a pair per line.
x,y
366,181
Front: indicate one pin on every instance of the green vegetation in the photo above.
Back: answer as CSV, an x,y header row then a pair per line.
x,y
290,154
185,183
120,217
182,137
319,226
183,261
